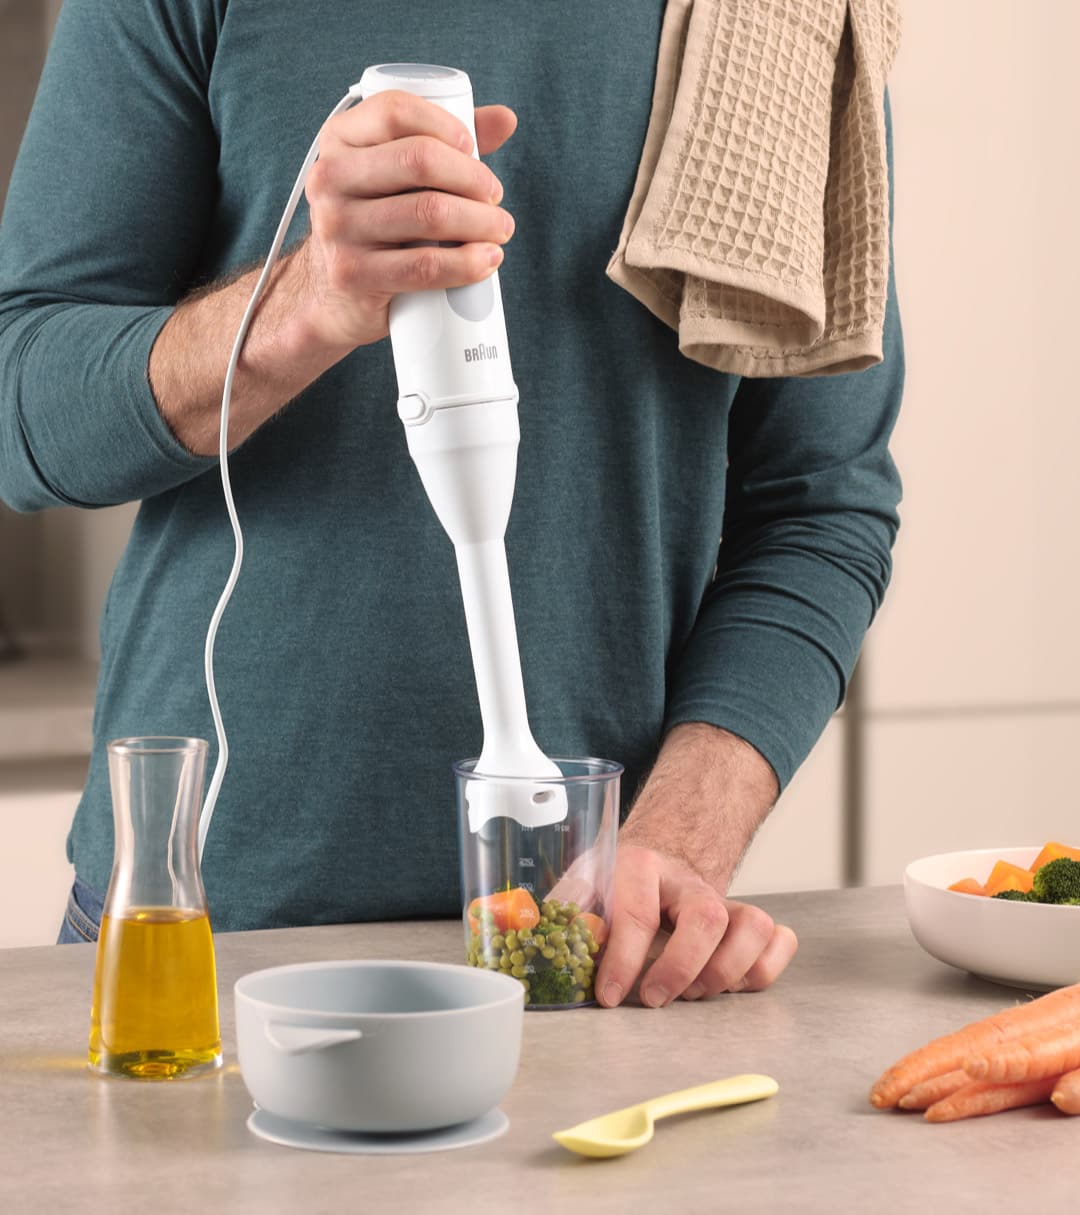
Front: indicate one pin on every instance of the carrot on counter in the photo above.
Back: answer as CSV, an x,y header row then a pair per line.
x,y
513,910
924,1095
947,1053
1066,1094
1049,1052
1006,876
1054,852
982,1097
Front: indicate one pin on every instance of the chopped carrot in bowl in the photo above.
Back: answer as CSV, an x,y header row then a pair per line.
x,y
1058,884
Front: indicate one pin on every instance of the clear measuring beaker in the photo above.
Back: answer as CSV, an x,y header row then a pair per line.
x,y
537,900
155,1010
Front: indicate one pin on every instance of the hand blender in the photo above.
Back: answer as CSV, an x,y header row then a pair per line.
x,y
458,401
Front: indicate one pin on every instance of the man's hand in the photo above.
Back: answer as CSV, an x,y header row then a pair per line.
x,y
716,945
392,171
706,796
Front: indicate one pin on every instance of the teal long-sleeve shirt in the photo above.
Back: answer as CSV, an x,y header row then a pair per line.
x,y
683,545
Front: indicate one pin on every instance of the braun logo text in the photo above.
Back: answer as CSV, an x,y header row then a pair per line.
x,y
477,354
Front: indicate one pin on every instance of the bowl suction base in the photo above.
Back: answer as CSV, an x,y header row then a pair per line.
x,y
319,1139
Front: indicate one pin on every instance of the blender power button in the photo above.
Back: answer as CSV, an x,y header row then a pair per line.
x,y
473,302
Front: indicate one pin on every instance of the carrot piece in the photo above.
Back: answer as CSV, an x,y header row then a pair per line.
x,y
981,1097
1050,1052
947,1053
522,910
513,910
1005,876
968,886
1054,852
595,924
922,1096
1066,1094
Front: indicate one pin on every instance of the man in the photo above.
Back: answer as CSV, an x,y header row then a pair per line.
x,y
156,163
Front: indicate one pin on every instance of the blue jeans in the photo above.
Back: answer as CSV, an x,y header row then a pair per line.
x,y
82,919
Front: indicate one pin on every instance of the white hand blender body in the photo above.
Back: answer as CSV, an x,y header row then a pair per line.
x,y
458,401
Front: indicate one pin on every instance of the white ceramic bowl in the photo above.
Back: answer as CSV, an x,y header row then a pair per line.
x,y
1029,945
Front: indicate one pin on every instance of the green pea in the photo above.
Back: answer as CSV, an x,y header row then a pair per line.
x,y
579,997
518,972
581,950
497,941
517,958
531,951
556,939
547,952
572,909
511,940
578,976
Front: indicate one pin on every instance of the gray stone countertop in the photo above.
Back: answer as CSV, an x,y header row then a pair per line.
x,y
859,994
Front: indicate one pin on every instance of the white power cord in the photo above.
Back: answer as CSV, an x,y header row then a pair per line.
x,y
223,458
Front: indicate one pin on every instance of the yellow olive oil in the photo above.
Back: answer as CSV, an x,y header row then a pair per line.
x,y
155,1012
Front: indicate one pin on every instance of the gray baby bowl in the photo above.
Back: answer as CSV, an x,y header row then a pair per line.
x,y
378,1046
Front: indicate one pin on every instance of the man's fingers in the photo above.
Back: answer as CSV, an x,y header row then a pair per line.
x,y
390,271
426,215
748,936
701,921
416,163
772,962
394,115
494,126
633,926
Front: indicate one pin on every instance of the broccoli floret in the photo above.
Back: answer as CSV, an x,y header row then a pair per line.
x,y
1057,882
1015,896
551,987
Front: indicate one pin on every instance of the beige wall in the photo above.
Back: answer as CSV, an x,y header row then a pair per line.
x,y
970,684
973,671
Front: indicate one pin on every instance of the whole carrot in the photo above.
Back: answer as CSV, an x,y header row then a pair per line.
x,y
922,1096
980,1097
1066,1094
948,1053
1051,1052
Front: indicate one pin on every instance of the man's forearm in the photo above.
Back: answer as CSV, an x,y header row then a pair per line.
x,y
707,794
281,356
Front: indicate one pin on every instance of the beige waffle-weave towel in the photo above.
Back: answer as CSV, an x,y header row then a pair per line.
x,y
759,223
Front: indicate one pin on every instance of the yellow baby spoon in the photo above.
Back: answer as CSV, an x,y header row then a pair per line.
x,y
624,1130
